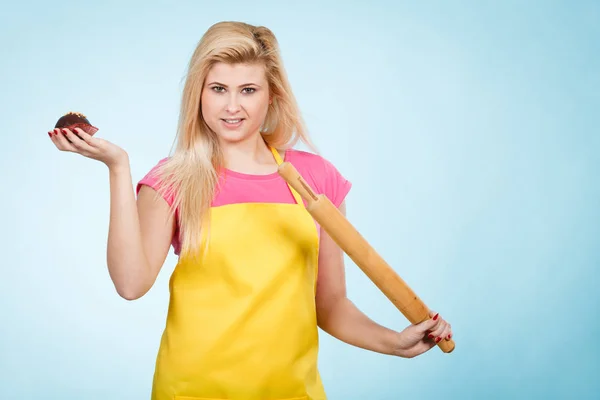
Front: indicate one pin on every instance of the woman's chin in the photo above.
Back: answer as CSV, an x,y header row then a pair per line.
x,y
236,136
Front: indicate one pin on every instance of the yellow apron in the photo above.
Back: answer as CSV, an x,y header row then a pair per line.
x,y
242,323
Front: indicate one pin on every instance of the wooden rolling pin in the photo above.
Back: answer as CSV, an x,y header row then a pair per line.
x,y
360,251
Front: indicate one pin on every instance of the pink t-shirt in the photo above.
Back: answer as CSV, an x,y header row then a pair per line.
x,y
236,187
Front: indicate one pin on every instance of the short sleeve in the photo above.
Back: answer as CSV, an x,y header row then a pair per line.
x,y
152,180
336,186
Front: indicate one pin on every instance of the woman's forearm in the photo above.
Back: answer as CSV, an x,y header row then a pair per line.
x,y
127,263
344,321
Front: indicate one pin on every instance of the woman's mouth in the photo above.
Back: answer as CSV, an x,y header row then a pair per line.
x,y
232,123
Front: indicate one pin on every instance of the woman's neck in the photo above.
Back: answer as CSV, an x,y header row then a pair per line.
x,y
250,156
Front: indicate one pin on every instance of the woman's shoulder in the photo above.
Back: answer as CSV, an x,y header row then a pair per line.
x,y
305,160
152,179
320,173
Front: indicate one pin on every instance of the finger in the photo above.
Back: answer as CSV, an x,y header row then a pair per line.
x,y
79,143
85,136
441,334
437,333
429,324
438,320
96,143
64,132
61,141
52,135
447,335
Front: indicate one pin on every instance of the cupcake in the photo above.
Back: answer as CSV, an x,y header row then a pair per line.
x,y
72,120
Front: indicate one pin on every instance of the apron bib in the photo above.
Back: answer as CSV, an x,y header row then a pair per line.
x,y
242,322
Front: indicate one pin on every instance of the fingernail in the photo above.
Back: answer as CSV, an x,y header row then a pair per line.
x,y
64,131
450,336
435,317
437,339
49,134
430,336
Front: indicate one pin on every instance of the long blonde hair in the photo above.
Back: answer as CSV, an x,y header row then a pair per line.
x,y
190,174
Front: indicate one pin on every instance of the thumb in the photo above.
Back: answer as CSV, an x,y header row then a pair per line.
x,y
425,326
428,324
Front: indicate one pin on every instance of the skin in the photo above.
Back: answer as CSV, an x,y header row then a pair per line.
x,y
239,91
139,239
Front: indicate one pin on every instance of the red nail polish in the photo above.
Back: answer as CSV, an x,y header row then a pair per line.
x,y
49,134
437,339
430,336
435,317
450,336
64,131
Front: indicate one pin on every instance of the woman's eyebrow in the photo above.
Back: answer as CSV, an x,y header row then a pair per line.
x,y
224,85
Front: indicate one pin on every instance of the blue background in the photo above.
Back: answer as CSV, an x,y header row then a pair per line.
x,y
470,133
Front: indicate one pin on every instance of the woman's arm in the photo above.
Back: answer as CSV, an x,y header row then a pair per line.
x,y
339,317
139,235
336,314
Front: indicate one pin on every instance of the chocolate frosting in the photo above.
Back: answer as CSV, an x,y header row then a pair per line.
x,y
72,120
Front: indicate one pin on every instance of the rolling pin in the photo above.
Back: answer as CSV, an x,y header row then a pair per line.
x,y
360,251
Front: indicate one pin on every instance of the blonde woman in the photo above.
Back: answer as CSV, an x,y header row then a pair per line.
x,y
256,275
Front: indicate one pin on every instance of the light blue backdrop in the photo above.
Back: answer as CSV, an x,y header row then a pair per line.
x,y
469,130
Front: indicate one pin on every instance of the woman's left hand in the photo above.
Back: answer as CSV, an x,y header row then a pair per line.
x,y
416,339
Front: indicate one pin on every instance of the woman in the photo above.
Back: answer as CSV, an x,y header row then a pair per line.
x,y
256,275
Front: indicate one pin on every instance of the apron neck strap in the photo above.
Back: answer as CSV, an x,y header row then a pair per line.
x,y
276,155
279,162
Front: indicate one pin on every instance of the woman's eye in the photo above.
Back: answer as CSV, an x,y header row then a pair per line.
x,y
221,89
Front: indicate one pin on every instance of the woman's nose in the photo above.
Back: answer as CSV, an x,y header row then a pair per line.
x,y
233,104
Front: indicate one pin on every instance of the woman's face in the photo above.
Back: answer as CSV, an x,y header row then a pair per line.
x,y
235,100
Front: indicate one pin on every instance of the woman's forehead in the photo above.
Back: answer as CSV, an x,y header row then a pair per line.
x,y
236,74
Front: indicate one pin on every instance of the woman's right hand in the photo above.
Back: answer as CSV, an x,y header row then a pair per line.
x,y
82,143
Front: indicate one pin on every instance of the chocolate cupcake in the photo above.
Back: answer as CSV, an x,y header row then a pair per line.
x,y
72,120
